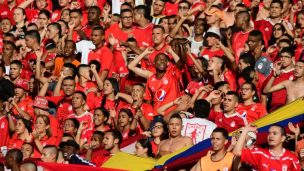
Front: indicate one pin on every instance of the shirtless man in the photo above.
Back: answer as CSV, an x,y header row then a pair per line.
x,y
294,87
176,141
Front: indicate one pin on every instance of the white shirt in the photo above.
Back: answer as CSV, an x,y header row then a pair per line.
x,y
84,47
198,129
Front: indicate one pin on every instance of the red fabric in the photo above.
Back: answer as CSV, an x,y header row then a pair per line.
x,y
64,107
262,160
144,36
86,118
164,90
213,114
146,109
193,86
4,131
254,111
7,13
208,54
103,55
15,142
56,15
230,123
171,9
266,28
229,76
152,56
239,40
26,105
32,15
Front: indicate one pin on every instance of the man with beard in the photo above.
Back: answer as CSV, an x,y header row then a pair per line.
x,y
176,141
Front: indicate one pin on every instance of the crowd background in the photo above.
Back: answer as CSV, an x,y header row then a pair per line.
x,y
78,77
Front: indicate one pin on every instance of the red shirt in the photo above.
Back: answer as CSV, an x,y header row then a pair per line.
x,y
103,55
46,140
146,109
32,15
163,90
128,81
213,113
116,31
239,40
144,35
15,142
259,85
208,54
64,107
171,9
86,118
266,28
254,111
56,15
89,84
6,12
263,160
4,132
26,105
230,123
193,86
229,76
152,56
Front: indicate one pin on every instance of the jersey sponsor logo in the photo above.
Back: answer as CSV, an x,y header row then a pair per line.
x,y
4,13
166,81
195,131
160,95
232,124
54,16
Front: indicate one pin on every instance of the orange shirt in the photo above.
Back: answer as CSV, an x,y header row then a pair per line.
x,y
59,62
223,165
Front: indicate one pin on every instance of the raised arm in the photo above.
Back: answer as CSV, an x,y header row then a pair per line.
x,y
242,139
133,65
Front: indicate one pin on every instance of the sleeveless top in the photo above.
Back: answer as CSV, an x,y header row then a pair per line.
x,y
224,164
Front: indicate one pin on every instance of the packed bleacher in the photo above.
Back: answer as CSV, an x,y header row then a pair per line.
x,y
85,81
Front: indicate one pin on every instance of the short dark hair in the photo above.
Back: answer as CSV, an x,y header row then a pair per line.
x,y
99,28
78,11
83,95
126,10
96,63
95,8
72,67
159,27
17,62
223,131
104,111
219,84
176,116
34,34
282,129
16,154
287,50
46,13
248,58
143,10
201,108
68,78
75,122
235,94
57,26
116,135
81,66
278,2
257,33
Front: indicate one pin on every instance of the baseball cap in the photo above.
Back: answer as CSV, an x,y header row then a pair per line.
x,y
22,83
212,34
41,102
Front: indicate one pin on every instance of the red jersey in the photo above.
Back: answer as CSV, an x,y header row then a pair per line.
x,y
264,160
229,77
64,107
4,131
116,31
144,35
46,140
266,28
213,113
230,123
146,109
254,111
15,142
56,15
32,15
128,81
26,105
193,86
171,9
152,56
6,12
259,85
89,84
103,55
239,40
86,118
163,90
208,54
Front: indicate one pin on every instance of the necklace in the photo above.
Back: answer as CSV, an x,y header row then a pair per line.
x,y
276,156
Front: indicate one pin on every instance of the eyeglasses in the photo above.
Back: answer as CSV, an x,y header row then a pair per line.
x,y
127,17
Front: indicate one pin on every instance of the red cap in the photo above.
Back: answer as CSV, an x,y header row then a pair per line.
x,y
22,83
41,102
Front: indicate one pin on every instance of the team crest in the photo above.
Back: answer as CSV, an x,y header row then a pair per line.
x,y
195,131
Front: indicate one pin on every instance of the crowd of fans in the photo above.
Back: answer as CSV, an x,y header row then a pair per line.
x,y
84,75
